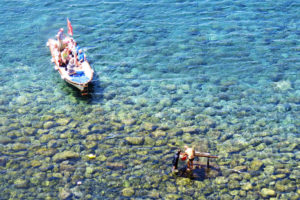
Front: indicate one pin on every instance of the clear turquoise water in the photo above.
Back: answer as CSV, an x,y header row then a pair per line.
x,y
220,75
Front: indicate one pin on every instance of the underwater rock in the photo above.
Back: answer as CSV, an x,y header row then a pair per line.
x,y
169,87
48,124
5,139
149,126
35,163
284,107
3,161
29,130
159,133
57,175
171,188
19,146
76,192
129,121
115,165
295,174
283,85
22,100
46,151
64,193
209,111
90,144
233,184
173,196
240,168
265,192
65,155
21,183
149,141
63,121
183,181
88,171
256,165
135,140
128,192
247,186
46,138
221,180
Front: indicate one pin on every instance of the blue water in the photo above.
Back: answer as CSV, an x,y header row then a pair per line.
x,y
222,76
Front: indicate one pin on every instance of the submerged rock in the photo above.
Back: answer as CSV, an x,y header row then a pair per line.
x,y
65,155
247,186
283,85
21,183
5,139
135,140
265,192
64,193
128,192
48,124
256,165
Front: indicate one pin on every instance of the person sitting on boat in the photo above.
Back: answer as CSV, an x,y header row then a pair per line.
x,y
190,153
65,56
71,66
81,56
72,45
60,37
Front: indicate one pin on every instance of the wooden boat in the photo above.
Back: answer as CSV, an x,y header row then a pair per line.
x,y
80,79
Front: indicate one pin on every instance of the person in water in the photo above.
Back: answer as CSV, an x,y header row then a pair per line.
x,y
190,153
175,160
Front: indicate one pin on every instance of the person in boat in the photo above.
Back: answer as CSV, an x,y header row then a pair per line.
x,y
190,153
175,160
60,38
72,46
81,56
71,66
65,56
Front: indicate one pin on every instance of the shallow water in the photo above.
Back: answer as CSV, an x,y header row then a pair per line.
x,y
222,76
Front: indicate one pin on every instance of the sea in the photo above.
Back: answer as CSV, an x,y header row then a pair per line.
x,y
221,76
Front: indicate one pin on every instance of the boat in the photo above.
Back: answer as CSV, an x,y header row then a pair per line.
x,y
81,77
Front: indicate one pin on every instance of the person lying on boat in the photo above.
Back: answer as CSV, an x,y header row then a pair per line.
x,y
60,37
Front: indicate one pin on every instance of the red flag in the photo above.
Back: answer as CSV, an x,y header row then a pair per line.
x,y
70,29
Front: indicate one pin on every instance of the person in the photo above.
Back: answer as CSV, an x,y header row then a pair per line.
x,y
81,56
60,37
65,55
190,152
71,66
175,160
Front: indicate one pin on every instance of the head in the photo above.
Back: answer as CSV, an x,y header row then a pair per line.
x,y
61,30
80,51
186,147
